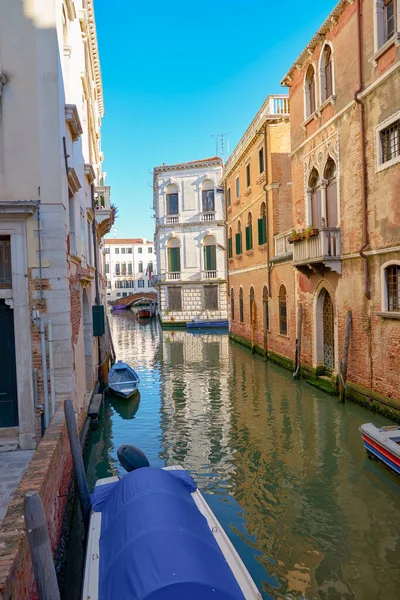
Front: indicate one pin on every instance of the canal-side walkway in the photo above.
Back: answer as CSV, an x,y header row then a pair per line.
x,y
12,468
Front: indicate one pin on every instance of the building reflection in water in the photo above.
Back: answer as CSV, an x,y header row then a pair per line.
x,y
283,468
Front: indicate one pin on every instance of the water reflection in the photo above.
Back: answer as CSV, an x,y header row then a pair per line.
x,y
281,464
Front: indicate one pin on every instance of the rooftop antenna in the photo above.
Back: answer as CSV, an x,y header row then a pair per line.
x,y
220,144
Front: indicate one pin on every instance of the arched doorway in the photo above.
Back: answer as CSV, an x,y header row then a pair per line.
x,y
329,333
325,331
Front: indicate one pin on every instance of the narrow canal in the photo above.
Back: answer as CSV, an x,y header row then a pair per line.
x,y
281,464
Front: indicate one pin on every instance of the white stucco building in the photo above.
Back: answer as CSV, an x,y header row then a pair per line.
x,y
54,211
190,241
130,264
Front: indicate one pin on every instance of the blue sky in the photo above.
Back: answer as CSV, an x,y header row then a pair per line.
x,y
175,72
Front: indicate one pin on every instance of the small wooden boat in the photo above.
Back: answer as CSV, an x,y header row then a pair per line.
x,y
122,380
383,443
221,324
153,535
144,313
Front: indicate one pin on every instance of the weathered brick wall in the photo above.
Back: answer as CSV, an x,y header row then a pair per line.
x,y
49,474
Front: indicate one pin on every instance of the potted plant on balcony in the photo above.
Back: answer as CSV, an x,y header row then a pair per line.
x,y
295,236
310,232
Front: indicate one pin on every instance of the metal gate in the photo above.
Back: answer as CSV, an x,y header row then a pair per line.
x,y
329,341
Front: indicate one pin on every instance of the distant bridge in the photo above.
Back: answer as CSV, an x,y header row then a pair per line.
x,y
132,298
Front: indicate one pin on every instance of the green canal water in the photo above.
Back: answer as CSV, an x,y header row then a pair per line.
x,y
281,464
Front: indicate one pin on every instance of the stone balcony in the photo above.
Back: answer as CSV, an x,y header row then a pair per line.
x,y
103,210
173,275
209,274
208,217
319,252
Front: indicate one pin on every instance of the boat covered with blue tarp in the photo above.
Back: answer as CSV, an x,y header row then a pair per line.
x,y
155,538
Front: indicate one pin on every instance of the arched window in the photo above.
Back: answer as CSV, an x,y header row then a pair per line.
x,y
124,283
326,73
262,225
210,253
239,238
265,309
65,26
309,92
208,196
232,304
174,255
241,307
331,193
282,311
392,288
123,268
172,199
130,283
140,266
315,197
117,268
251,300
249,232
117,285
130,268
230,243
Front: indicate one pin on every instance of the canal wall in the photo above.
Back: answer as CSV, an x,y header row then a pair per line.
x,y
378,403
49,473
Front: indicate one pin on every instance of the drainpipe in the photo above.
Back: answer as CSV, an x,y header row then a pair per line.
x,y
40,252
51,366
227,251
44,372
363,155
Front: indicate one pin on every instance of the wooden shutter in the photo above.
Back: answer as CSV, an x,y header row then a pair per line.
x,y
174,260
238,237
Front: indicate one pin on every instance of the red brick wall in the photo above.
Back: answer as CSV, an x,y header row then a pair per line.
x,y
49,474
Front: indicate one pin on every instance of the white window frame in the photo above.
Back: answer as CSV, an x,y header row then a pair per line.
x,y
384,297
380,44
308,115
379,165
321,70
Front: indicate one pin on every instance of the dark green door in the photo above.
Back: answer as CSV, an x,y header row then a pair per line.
x,y
8,381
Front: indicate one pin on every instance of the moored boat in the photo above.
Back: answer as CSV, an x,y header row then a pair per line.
x,y
153,535
221,324
144,313
117,307
383,443
123,381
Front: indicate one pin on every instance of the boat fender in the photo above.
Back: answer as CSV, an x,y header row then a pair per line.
x,y
131,458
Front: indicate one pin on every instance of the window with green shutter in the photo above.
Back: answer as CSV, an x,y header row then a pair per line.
x,y
174,260
238,237
210,258
230,247
249,237
262,230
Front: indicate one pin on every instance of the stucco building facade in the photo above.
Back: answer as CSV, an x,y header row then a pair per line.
x,y
345,144
130,264
54,211
257,180
190,241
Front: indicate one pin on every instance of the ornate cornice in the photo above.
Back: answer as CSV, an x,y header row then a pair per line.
x,y
207,162
330,22
95,53
73,121
73,180
18,208
90,173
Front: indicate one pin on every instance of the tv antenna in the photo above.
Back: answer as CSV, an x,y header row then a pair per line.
x,y
220,144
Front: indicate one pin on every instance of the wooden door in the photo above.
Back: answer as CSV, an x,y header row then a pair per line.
x,y
329,338
8,381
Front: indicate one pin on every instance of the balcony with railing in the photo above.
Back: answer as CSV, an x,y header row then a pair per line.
x,y
173,275
173,220
283,250
103,209
318,251
208,217
209,274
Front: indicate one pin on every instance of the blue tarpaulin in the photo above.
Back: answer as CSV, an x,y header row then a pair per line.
x,y
155,544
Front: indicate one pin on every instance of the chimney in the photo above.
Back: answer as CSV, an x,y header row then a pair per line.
x,y
144,240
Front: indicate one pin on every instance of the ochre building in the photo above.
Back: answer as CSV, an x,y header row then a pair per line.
x,y
259,220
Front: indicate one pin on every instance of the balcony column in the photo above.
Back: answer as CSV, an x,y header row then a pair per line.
x,y
324,184
308,208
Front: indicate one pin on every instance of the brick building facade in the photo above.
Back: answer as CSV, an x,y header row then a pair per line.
x,y
345,155
258,205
